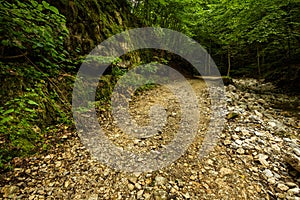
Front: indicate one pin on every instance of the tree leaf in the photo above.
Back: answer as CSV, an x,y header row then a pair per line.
x,y
32,103
9,111
6,119
53,9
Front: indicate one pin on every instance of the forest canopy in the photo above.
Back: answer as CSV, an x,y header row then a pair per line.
x,y
242,35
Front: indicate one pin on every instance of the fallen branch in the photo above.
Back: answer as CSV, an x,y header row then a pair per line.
x,y
13,57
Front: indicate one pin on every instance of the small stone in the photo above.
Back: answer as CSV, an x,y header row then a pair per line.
x,y
187,195
282,187
138,186
148,181
227,142
9,190
293,160
262,159
160,195
193,177
147,196
254,169
130,186
239,142
297,151
245,132
173,190
132,179
106,172
268,173
210,162
240,151
159,180
280,195
232,115
225,171
235,137
64,137
139,194
291,184
272,180
260,134
261,101
51,184
67,183
58,164
272,124
293,191
93,197
237,129
31,197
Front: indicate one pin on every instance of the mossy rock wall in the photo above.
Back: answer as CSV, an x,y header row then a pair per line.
x,y
92,21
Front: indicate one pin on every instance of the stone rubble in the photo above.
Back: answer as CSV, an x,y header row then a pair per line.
x,y
257,156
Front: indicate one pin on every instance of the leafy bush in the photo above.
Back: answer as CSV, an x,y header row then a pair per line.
x,y
32,55
33,29
17,123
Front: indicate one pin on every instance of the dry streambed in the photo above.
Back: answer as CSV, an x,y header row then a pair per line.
x,y
255,158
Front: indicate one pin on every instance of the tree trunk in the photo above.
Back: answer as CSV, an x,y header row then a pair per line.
x,y
229,62
209,57
258,64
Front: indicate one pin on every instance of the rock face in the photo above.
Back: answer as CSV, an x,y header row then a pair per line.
x,y
90,21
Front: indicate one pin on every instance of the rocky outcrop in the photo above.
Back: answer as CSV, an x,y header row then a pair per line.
x,y
91,21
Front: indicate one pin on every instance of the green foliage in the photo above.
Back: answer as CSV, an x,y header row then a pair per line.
x,y
108,82
251,30
18,126
32,53
238,33
33,29
173,14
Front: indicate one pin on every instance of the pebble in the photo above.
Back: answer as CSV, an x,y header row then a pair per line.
x,y
239,142
262,159
160,195
291,184
138,186
294,191
268,173
139,194
193,177
159,180
131,186
225,171
187,195
227,142
297,151
272,180
282,187
132,179
240,151
272,124
9,190
93,197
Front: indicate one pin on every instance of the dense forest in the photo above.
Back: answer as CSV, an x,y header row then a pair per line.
x,y
43,44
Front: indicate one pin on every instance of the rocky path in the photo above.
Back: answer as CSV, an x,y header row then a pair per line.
x,y
257,156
